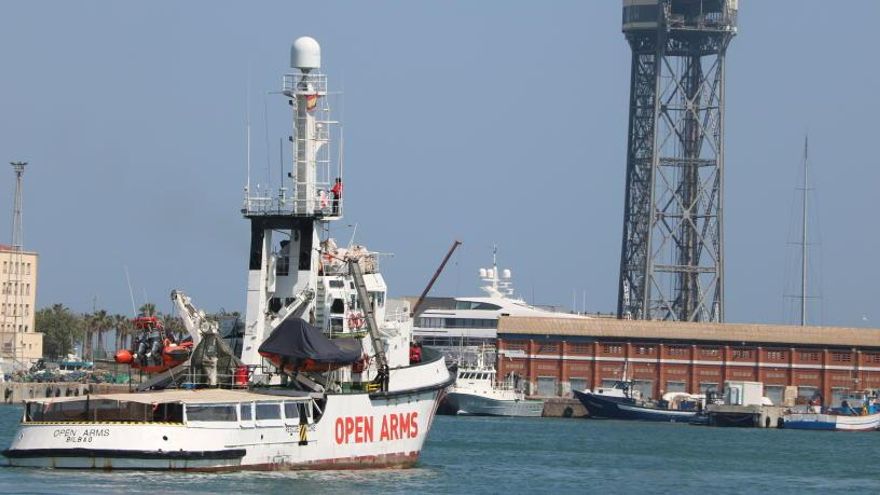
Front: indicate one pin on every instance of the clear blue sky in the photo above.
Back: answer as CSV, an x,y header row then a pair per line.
x,y
489,122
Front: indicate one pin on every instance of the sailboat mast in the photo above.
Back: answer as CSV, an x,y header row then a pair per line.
x,y
804,241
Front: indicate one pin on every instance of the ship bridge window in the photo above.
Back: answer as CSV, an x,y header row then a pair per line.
x,y
470,323
483,306
247,412
336,284
268,411
211,412
291,412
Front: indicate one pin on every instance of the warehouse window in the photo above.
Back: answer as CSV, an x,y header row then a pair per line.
x,y
776,355
612,349
549,347
677,350
644,349
841,357
810,356
710,351
581,348
742,354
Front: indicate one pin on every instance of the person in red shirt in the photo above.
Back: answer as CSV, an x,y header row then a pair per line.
x,y
337,195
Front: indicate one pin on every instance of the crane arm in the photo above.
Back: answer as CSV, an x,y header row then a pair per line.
x,y
194,319
422,297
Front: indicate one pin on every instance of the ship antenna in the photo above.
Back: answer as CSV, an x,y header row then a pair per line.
x,y
130,292
247,187
495,266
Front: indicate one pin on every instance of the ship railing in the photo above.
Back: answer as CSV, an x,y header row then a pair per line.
x,y
323,206
293,82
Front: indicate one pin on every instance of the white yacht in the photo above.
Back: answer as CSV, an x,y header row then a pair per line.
x,y
459,327
477,392
325,379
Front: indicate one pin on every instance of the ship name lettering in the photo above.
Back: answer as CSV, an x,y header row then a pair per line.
x,y
361,429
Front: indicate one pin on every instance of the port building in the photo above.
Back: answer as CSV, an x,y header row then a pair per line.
x,y
19,341
552,356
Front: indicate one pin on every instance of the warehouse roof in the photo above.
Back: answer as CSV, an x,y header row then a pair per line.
x,y
667,330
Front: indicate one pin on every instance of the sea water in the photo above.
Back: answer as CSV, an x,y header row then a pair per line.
x,y
532,455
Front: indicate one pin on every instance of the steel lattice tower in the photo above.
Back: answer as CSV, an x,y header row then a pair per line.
x,y
672,264
17,231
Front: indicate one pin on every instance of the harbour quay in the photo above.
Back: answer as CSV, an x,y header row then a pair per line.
x,y
550,357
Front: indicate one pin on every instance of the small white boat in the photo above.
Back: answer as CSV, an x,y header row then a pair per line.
x,y
859,411
477,393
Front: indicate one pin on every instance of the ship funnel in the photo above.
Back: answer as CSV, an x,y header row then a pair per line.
x,y
305,54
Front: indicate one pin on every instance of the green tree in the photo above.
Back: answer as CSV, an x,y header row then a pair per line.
x,y
100,324
148,309
123,328
60,327
175,325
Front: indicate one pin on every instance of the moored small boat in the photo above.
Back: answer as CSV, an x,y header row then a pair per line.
x,y
859,411
622,401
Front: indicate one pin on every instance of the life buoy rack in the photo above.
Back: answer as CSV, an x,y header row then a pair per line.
x,y
356,321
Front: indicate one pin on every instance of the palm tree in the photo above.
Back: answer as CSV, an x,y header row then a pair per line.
x,y
148,309
101,323
122,325
88,331
174,325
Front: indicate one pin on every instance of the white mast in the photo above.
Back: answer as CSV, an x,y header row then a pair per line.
x,y
804,242
284,261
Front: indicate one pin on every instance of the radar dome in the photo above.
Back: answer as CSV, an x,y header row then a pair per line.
x,y
482,273
305,54
505,273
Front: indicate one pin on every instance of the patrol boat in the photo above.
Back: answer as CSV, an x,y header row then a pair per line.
x,y
478,393
324,380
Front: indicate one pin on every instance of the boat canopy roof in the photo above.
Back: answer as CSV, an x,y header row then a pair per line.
x,y
296,340
199,396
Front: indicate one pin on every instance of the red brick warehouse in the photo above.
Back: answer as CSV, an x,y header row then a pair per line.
x,y
554,355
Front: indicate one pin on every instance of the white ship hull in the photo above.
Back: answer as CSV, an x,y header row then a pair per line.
x,y
815,421
379,430
476,405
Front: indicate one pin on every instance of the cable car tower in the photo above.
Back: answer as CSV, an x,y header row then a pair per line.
x,y
672,265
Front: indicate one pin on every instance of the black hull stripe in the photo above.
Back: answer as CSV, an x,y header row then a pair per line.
x,y
411,391
182,455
